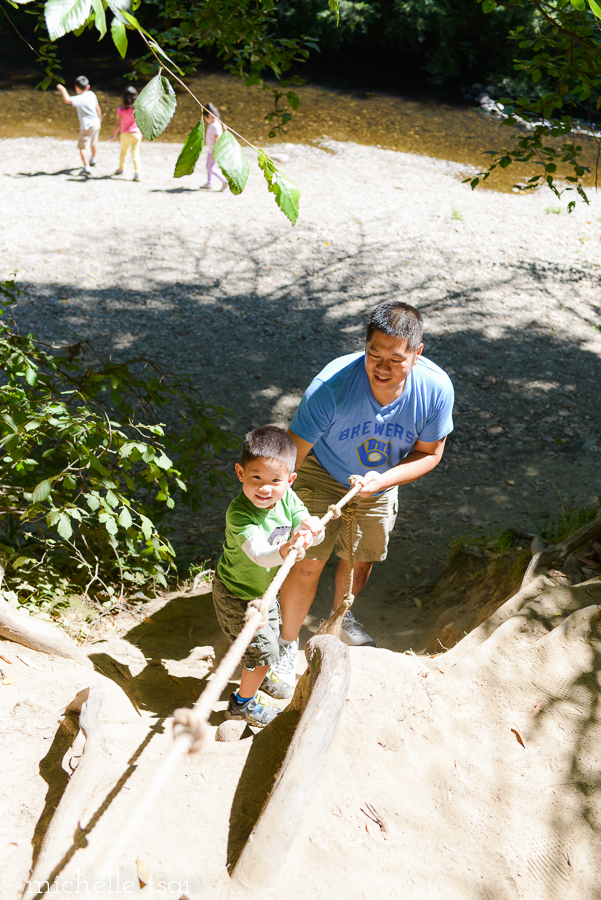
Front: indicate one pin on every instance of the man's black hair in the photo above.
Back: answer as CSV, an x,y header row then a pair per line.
x,y
82,82
397,319
269,442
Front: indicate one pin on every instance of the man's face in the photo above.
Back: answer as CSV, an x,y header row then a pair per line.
x,y
387,363
264,481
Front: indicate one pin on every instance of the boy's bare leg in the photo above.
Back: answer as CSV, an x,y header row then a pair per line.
x,y
361,573
250,681
297,594
84,158
94,148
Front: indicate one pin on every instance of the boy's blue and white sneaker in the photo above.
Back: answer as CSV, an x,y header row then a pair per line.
x,y
286,668
257,711
351,632
273,685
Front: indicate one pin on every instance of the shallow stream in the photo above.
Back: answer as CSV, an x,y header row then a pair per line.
x,y
427,127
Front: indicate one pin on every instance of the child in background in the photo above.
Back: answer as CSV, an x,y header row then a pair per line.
x,y
214,130
260,527
88,112
131,136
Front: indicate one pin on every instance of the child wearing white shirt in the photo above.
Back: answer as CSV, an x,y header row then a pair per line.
x,y
88,112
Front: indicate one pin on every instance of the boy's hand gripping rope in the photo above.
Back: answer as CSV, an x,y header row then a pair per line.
x,y
190,725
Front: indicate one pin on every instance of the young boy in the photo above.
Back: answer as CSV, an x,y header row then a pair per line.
x,y
90,117
260,527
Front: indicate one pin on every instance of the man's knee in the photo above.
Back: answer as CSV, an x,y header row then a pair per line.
x,y
309,568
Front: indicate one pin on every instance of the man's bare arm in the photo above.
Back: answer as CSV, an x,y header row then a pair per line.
x,y
302,447
423,458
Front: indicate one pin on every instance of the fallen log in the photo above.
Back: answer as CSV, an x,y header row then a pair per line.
x,y
38,635
320,694
35,633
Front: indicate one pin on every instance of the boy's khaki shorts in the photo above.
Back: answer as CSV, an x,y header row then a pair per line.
x,y
372,523
88,136
264,648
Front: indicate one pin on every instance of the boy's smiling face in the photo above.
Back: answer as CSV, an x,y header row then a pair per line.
x,y
264,481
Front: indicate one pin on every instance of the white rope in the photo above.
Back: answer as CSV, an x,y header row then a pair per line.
x,y
190,729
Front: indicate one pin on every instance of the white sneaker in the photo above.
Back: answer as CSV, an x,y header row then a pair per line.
x,y
286,668
351,632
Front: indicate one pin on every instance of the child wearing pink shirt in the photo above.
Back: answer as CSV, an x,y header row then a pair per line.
x,y
214,130
131,136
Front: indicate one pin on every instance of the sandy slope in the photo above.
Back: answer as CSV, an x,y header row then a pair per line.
x,y
431,745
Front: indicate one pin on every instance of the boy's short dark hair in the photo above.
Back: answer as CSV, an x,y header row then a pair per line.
x,y
82,82
269,442
397,319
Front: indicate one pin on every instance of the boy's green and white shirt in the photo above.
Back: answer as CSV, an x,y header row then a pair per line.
x,y
253,537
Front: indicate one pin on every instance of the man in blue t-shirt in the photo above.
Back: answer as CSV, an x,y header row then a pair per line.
x,y
384,415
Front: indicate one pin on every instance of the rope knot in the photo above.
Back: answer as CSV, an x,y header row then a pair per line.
x,y
260,605
187,721
335,510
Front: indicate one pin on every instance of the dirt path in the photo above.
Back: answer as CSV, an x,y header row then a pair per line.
x,y
223,288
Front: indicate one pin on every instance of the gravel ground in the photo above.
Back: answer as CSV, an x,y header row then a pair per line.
x,y
223,288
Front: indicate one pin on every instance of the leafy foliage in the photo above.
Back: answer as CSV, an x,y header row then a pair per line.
x,y
88,473
186,161
565,56
287,195
230,156
154,107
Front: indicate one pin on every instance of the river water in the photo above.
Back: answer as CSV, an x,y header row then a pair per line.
x,y
427,127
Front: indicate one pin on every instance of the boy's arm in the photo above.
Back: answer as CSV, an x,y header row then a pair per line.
x,y
63,92
260,551
98,112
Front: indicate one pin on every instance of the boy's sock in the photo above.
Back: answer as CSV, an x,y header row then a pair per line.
x,y
93,161
242,700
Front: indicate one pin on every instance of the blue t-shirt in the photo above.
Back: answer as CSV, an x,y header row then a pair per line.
x,y
353,434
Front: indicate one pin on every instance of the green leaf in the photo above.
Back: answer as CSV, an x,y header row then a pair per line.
x,y
287,195
99,17
93,501
154,107
163,462
146,525
63,16
64,526
595,8
41,491
31,377
111,499
125,519
230,157
111,526
19,561
119,36
293,100
488,6
578,4
536,75
157,49
188,158
335,7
